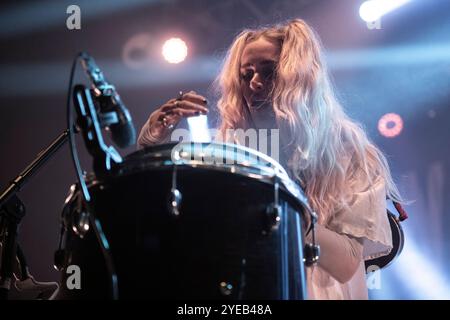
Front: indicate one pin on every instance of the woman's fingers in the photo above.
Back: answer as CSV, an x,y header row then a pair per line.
x,y
184,104
192,96
164,119
182,112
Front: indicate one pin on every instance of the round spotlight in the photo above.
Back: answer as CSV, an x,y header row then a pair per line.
x,y
390,125
174,50
368,11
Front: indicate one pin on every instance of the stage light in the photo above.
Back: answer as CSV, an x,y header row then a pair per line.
x,y
373,10
390,125
174,50
419,274
198,128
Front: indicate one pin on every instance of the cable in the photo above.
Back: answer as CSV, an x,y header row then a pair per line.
x,y
86,195
70,127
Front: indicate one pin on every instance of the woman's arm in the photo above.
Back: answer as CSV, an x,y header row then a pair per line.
x,y
146,138
340,255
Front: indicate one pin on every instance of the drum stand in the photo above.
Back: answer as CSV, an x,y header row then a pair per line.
x,y
12,211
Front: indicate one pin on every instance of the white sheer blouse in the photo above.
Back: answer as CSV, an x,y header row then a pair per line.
x,y
359,233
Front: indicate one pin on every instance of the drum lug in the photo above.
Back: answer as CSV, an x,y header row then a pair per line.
x,y
273,218
74,215
311,253
273,211
175,196
175,201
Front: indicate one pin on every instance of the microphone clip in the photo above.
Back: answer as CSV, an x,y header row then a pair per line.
x,y
104,156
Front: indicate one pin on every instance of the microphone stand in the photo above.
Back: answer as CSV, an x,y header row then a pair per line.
x,y
12,211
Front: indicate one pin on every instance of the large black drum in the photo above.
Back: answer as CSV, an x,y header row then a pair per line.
x,y
188,221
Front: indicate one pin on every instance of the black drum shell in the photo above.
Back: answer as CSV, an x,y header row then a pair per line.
x,y
221,245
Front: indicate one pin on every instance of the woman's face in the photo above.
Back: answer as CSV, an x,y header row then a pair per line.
x,y
258,63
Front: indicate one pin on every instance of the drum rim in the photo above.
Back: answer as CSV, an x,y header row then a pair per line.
x,y
275,171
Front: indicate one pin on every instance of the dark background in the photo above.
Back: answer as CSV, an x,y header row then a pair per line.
x,y
404,67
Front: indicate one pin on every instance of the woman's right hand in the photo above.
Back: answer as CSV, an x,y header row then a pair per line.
x,y
162,121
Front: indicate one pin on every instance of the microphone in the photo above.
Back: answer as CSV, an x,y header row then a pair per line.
x,y
112,114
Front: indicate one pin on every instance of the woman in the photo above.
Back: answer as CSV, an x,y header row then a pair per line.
x,y
275,77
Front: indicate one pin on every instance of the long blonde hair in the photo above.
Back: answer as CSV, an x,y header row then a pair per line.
x,y
326,148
